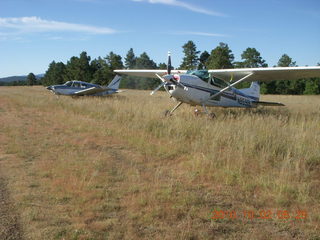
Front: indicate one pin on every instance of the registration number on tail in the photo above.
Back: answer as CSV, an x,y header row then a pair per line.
x,y
244,101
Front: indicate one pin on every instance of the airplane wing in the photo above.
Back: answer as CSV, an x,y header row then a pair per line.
x,y
89,91
262,75
148,73
257,74
266,74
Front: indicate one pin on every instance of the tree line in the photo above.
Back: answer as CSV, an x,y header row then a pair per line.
x,y
29,80
100,70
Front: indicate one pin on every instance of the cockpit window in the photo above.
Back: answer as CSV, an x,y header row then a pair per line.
x,y
76,85
68,84
218,82
202,74
205,76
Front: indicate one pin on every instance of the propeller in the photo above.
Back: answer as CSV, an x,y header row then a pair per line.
x,y
169,67
157,88
172,80
162,79
169,64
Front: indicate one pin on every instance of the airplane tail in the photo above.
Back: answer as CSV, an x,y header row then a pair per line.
x,y
253,90
114,84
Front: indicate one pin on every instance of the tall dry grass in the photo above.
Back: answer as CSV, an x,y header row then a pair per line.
x,y
116,168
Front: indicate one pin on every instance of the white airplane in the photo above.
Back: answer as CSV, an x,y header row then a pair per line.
x,y
79,88
212,88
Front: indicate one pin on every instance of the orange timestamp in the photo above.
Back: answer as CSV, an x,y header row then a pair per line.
x,y
260,214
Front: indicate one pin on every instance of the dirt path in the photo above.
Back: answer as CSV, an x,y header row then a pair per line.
x,y
9,224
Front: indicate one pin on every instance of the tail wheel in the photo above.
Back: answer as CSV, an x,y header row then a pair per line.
x,y
212,116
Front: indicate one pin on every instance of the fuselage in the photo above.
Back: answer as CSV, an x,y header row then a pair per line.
x,y
200,91
72,87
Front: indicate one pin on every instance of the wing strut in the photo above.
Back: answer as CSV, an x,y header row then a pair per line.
x,y
228,87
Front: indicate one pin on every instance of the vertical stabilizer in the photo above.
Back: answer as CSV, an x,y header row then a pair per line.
x,y
253,90
114,85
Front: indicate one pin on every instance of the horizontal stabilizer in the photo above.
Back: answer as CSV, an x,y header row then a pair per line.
x,y
120,91
257,103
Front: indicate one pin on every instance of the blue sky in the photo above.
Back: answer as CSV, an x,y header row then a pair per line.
x,y
33,33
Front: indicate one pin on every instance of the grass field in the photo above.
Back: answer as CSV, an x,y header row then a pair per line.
x,y
115,168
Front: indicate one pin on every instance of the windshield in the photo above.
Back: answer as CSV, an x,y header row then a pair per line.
x,y
202,74
68,84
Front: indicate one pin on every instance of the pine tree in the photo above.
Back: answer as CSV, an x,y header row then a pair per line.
x,y
101,71
203,60
190,59
144,62
286,61
288,86
85,73
221,57
31,79
130,59
252,59
55,74
114,61
162,66
78,68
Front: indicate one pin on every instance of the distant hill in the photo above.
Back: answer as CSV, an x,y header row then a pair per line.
x,y
18,78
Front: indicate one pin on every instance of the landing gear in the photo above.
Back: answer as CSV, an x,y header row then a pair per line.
x,y
197,112
169,113
210,115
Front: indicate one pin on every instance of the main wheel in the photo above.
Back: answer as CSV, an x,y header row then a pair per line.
x,y
197,112
167,113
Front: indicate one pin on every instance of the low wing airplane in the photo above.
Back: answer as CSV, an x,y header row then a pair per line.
x,y
79,88
212,88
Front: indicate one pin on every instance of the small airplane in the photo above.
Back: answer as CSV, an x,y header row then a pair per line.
x,y
215,88
79,88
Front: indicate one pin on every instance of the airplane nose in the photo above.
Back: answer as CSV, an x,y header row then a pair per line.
x,y
168,78
49,88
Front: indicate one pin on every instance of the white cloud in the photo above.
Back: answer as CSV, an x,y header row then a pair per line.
x,y
206,34
188,6
36,24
